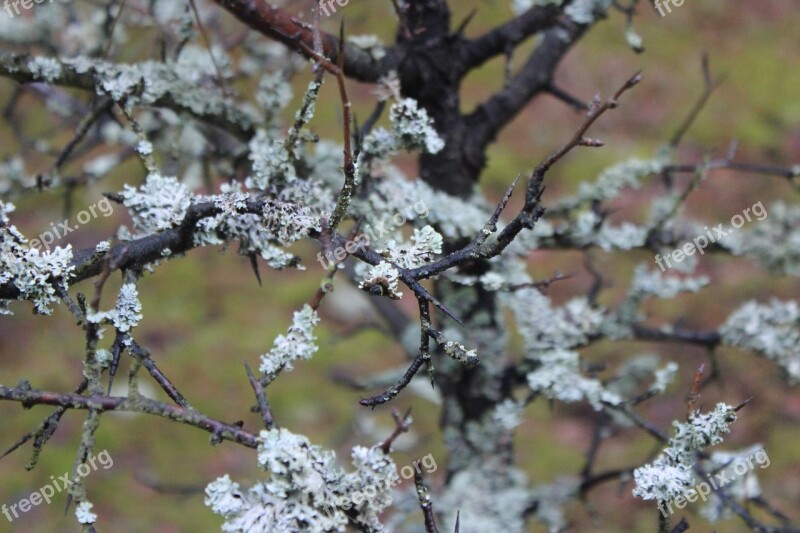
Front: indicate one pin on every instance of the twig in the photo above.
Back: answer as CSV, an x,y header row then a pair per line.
x,y
395,389
29,397
143,356
425,503
261,398
710,86
694,393
401,426
45,430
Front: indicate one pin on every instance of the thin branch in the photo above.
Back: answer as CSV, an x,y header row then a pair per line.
x,y
401,425
167,386
261,398
395,389
710,86
29,397
425,503
531,210
564,96
45,430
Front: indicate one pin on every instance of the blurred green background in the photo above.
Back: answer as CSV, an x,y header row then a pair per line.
x,y
205,314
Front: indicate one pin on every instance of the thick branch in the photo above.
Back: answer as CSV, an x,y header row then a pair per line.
x,y
507,36
138,252
533,78
280,25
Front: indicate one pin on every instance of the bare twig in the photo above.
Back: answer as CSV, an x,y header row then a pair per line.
x,y
425,503
401,426
261,398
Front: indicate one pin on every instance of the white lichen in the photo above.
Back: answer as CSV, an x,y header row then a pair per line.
x,y
84,514
159,204
741,484
382,280
544,327
305,490
627,174
425,245
125,315
772,241
773,330
298,343
670,475
559,377
412,129
33,272
370,43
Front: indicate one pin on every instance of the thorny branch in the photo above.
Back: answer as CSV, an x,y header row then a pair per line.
x,y
29,397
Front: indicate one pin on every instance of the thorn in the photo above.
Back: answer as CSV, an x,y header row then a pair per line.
x,y
254,264
743,403
447,311
465,22
114,197
19,443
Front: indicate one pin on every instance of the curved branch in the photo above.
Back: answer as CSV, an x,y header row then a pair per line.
x,y
507,36
535,77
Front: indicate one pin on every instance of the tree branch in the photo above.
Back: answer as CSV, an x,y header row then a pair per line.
x,y
281,26
229,117
29,397
507,36
533,78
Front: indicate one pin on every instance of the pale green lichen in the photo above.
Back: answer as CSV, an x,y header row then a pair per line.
x,y
772,241
742,483
612,180
159,204
670,475
382,280
424,246
772,330
305,490
559,377
544,327
298,343
35,274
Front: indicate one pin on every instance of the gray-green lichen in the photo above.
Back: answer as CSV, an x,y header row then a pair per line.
x,y
772,330
305,490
